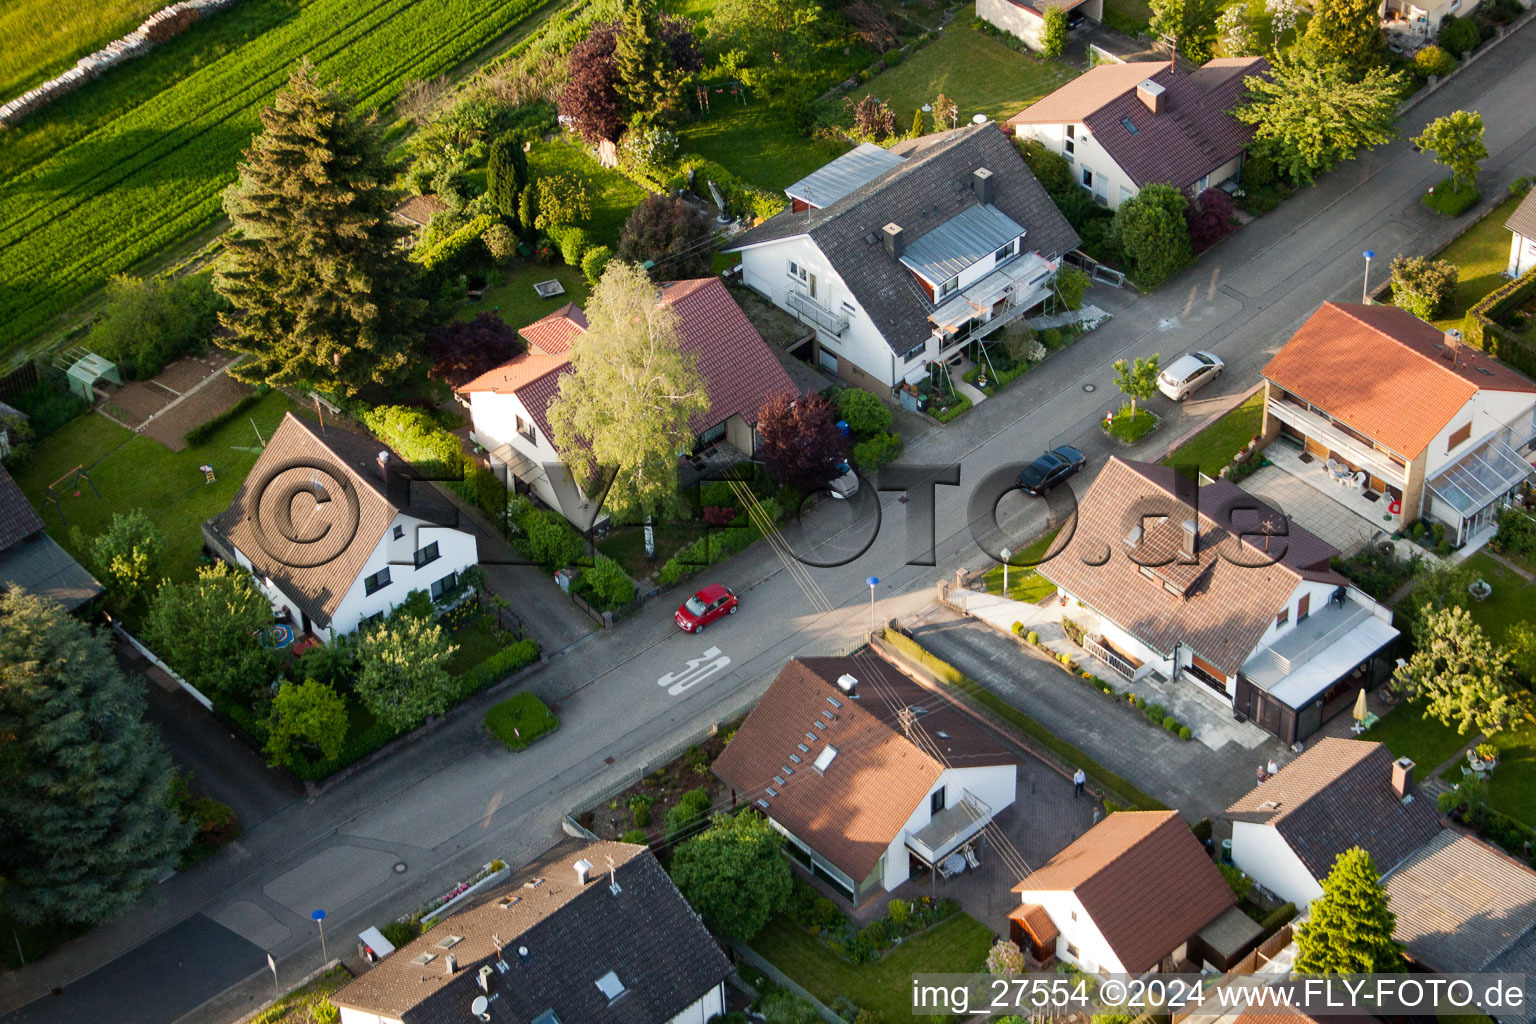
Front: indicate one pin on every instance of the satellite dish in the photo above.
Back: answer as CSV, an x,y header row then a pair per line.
x,y
479,1005
980,119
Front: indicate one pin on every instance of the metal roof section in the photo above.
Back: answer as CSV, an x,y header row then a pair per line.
x,y
973,234
831,182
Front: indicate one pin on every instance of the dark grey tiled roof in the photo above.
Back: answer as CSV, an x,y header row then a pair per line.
x,y
1523,220
1460,904
39,566
646,934
1336,796
18,519
928,188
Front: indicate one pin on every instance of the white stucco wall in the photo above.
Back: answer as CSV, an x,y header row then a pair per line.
x,y
1263,854
457,551
1078,932
1488,412
1522,254
1110,183
705,1007
995,785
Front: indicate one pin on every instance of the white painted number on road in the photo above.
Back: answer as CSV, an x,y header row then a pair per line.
x,y
698,670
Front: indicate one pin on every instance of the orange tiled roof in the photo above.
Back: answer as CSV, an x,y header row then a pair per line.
x,y
1385,373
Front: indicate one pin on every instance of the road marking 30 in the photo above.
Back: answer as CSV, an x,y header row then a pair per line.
x,y
698,670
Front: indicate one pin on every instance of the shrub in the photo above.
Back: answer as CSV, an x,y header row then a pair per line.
x,y
1155,711
1209,218
1240,883
503,663
1171,724
1422,286
1433,60
500,242
1458,35
642,814
399,932
1032,637
1053,339
609,583
147,323
594,262
691,812
863,412
897,911
871,454
1520,186
636,836
1184,732
573,243
549,540
1277,917
1018,629
1071,283
453,253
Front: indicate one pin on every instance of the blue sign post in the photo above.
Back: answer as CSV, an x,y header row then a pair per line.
x,y
873,581
319,918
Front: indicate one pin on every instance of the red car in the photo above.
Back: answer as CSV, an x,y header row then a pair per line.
x,y
705,607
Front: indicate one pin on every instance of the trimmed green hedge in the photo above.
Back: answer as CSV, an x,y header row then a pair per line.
x,y
1483,331
498,666
203,431
945,415
979,694
520,719
419,439
448,254
738,194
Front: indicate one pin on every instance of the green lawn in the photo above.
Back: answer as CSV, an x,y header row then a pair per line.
x,y
978,72
1024,583
884,988
1512,786
43,37
131,471
476,641
612,194
511,295
1481,255
756,142
1129,16
1408,733
626,545
1513,600
1214,446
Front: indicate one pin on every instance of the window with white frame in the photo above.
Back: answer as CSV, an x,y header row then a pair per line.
x,y
525,428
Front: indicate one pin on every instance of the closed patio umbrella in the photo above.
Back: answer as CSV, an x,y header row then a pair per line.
x,y
1360,709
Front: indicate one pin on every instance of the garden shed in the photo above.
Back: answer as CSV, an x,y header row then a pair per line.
x,y
84,372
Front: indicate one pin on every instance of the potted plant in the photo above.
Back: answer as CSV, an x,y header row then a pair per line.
x,y
1483,757
1480,589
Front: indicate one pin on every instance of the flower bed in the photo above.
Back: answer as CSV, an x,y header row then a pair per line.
x,y
824,919
640,813
486,877
1129,429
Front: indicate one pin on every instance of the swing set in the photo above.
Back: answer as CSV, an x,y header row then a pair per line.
x,y
732,87
75,477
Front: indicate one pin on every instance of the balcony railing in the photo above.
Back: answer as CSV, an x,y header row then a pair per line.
x,y
1321,429
950,827
1111,657
814,312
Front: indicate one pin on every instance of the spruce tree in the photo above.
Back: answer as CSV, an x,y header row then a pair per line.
x,y
321,288
1349,927
643,62
86,821
501,177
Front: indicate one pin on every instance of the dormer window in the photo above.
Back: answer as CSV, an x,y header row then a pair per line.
x,y
1007,252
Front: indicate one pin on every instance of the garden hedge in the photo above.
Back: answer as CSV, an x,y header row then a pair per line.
x,y
1482,330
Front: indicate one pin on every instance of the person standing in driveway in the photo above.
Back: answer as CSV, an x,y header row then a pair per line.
x,y
1079,778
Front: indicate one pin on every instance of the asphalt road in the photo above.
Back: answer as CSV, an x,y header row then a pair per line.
x,y
455,800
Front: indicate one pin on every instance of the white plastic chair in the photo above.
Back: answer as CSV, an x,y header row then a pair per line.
x,y
971,858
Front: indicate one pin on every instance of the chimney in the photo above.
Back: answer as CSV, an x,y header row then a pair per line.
x,y
981,184
583,871
384,468
484,979
893,241
1191,535
1151,94
848,684
1402,778
1452,343
450,964
1133,539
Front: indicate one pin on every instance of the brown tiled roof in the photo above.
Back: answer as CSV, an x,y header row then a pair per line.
x,y
930,186
1192,136
1291,1015
738,369
852,812
1336,796
1385,373
554,333
419,210
573,934
1227,599
18,519
1523,220
317,576
1144,879
1034,917
1460,903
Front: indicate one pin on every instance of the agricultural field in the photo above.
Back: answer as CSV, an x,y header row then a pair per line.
x,y
150,174
43,37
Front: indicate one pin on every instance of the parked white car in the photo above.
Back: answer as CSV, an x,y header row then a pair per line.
x,y
846,484
1188,374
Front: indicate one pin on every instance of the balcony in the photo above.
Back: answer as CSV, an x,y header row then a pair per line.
x,y
949,828
813,312
1322,430
1126,667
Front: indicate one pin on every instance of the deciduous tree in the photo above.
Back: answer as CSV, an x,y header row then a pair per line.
x,y
1312,115
873,119
322,292
308,723
1209,218
1138,380
626,403
734,875
1464,678
1346,32
1149,227
799,441
1423,286
1349,927
462,350
1190,23
1234,36
1456,140
127,557
207,630
402,672
945,111
559,200
86,822
670,232
591,95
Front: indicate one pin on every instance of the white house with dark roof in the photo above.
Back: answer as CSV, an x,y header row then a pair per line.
x,y
1125,126
337,530
1522,242
915,253
1337,795
509,406
1212,586
865,773
591,933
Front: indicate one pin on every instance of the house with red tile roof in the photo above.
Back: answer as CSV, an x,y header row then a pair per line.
x,y
1209,586
1125,126
1396,407
1135,893
1026,18
509,406
866,774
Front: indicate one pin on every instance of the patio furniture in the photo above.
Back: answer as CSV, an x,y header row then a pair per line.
x,y
1365,723
1359,480
954,864
971,858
